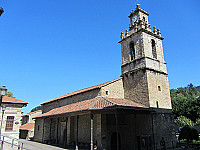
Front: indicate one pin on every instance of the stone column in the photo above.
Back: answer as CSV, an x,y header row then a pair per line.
x,y
99,135
50,131
43,130
65,141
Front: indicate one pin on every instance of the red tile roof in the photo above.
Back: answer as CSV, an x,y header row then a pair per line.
x,y
7,99
96,103
27,126
81,91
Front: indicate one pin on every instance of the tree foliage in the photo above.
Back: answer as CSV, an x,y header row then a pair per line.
x,y
186,105
37,108
8,93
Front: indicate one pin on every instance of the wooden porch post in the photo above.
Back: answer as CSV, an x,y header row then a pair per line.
x,y
91,130
77,117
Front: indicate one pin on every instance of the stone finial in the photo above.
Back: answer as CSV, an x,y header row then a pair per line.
x,y
158,32
122,36
126,34
154,30
137,6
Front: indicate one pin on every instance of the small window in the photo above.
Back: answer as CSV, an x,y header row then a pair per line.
x,y
157,104
132,50
38,127
143,18
153,45
159,88
9,123
106,92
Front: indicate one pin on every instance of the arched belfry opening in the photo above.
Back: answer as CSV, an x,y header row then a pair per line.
x,y
132,50
153,45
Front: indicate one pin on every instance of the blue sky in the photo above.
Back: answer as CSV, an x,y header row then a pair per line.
x,y
52,47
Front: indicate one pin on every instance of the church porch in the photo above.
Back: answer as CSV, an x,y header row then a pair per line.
x,y
112,128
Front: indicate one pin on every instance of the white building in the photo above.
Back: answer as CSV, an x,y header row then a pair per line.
x,y
11,116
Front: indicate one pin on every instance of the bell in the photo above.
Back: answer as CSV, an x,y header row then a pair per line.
x,y
1,11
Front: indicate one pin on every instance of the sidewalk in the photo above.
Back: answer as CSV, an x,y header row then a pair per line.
x,y
38,146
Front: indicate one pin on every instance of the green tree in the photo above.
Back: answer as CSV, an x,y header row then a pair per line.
x,y
184,121
37,108
186,104
8,93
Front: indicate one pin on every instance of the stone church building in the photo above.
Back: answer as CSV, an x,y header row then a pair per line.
x,y
132,112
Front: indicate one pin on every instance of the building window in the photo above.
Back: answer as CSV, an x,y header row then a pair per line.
x,y
38,127
153,45
9,123
157,104
159,88
106,92
132,50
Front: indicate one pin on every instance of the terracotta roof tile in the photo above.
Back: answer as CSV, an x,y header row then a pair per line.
x,y
96,103
81,91
7,99
27,126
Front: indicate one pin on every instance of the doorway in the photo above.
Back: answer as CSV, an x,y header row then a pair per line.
x,y
114,141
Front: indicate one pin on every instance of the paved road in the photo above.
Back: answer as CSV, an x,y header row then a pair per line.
x,y
31,145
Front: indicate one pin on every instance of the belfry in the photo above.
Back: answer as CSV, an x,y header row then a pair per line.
x,y
132,112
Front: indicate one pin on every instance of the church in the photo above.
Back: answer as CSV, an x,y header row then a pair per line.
x,y
132,112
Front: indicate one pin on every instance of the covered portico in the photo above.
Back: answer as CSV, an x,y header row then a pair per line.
x,y
108,123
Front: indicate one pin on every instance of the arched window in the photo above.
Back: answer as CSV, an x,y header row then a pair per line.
x,y
132,50
143,18
153,45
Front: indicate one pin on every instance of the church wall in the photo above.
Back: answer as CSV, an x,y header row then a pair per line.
x,y
79,97
38,131
139,50
163,96
164,127
136,87
72,99
115,89
129,127
46,135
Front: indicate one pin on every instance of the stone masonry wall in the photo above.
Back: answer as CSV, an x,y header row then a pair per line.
x,y
163,96
38,131
164,127
136,87
72,99
130,126
115,89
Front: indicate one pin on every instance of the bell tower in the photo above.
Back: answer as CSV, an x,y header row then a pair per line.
x,y
144,72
